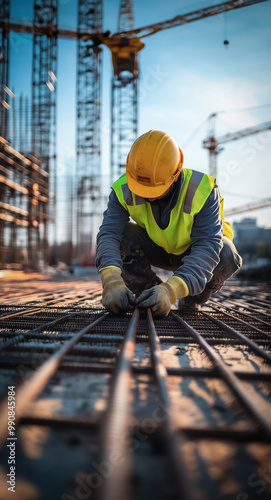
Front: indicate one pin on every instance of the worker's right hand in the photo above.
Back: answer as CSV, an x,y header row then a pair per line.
x,y
117,297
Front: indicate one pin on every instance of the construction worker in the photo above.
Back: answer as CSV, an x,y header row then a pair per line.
x,y
179,226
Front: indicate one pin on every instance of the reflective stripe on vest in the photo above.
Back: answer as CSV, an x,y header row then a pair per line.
x,y
193,185
175,238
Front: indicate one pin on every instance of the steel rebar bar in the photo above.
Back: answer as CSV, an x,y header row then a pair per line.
x,y
174,442
229,377
235,334
117,418
33,385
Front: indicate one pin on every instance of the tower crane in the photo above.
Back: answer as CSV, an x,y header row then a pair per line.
x,y
213,143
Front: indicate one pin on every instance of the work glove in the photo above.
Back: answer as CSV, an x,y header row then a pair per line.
x,y
160,297
117,297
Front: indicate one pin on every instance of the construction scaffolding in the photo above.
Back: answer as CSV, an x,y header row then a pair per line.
x,y
24,195
88,147
19,130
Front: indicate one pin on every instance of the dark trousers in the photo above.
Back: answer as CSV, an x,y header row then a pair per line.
x,y
139,252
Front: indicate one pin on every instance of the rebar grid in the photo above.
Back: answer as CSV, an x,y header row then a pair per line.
x,y
42,339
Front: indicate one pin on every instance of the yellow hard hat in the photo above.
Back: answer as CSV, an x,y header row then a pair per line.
x,y
153,164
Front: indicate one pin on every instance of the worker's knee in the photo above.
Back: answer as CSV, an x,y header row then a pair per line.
x,y
230,260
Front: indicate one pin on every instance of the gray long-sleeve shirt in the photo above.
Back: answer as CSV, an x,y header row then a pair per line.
x,y
206,236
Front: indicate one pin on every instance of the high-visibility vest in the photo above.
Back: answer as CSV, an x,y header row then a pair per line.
x,y
175,238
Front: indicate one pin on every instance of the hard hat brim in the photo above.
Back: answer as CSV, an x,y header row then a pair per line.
x,y
146,191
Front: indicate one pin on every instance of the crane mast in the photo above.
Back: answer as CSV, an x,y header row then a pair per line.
x,y
124,91
44,86
88,106
126,15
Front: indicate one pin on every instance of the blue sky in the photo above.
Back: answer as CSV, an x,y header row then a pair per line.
x,y
186,74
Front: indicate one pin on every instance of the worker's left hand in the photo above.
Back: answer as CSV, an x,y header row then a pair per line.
x,y
160,297
117,298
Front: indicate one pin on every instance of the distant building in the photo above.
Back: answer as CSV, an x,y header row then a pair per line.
x,y
247,233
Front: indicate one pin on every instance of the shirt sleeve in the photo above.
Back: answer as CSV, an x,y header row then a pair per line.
x,y
110,234
206,238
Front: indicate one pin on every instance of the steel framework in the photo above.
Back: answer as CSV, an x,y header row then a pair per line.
x,y
24,193
4,67
88,147
44,80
